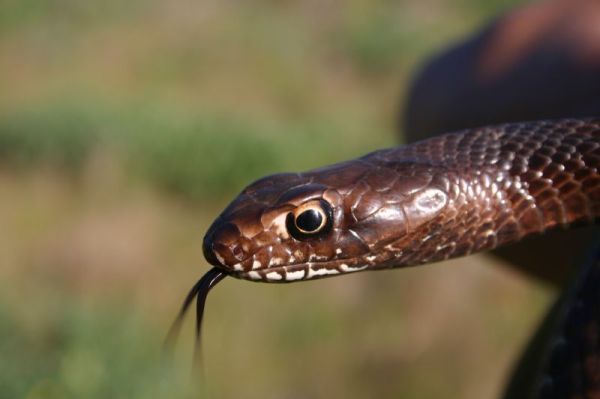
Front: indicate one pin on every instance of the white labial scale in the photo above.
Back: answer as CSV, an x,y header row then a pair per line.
x,y
256,265
254,275
296,275
347,269
219,257
274,276
321,272
238,267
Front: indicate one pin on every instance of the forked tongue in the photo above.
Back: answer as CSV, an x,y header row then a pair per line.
x,y
199,291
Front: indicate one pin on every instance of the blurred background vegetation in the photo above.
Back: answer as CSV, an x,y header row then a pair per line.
x,y
125,127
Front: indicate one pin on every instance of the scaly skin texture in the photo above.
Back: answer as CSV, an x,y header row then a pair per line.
x,y
448,196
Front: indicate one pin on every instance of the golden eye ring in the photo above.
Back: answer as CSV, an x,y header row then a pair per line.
x,y
311,219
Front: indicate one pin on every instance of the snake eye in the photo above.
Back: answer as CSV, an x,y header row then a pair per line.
x,y
309,220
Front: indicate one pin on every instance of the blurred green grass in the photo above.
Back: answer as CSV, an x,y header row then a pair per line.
x,y
215,153
69,357
126,127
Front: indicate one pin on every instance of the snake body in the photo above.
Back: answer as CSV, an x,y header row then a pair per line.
x,y
443,197
569,363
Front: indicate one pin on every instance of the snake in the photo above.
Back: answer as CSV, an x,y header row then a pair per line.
x,y
447,196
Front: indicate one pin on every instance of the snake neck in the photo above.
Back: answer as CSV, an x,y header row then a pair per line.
x,y
501,185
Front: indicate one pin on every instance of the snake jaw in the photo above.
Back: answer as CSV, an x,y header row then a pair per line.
x,y
303,271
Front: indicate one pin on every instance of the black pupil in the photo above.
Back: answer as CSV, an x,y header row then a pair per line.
x,y
309,220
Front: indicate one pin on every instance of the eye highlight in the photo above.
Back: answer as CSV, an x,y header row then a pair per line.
x,y
310,220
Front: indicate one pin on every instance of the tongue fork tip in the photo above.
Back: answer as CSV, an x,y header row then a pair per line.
x,y
199,292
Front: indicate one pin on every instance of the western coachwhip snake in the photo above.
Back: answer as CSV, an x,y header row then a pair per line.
x,y
440,198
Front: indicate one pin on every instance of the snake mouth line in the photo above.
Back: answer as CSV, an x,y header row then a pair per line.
x,y
303,271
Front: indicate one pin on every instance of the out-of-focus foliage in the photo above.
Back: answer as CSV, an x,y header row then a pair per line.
x,y
125,127
85,352
271,85
215,152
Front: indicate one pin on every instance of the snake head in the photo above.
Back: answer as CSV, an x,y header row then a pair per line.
x,y
338,219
